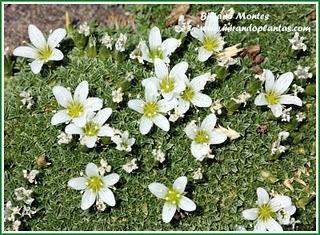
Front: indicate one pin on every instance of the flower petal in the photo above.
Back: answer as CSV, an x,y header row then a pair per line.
x,y
89,141
290,99
179,70
81,92
167,105
56,55
93,104
56,37
88,198
111,179
279,202
191,130
136,105
183,106
211,25
269,80
250,214
78,183
36,66
260,226
276,109
180,184
261,100
145,125
106,131
197,33
283,82
203,54
201,100
209,122
168,212
80,121
102,116
170,45
199,82
273,226
199,150
63,95
263,196
60,117
107,196
187,204
151,92
154,38
36,37
92,170
162,122
25,51
157,189
161,69
73,129
217,137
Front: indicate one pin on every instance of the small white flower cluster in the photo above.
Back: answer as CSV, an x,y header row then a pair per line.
x,y
137,52
84,29
242,98
285,115
216,107
120,44
64,138
104,167
300,116
117,95
175,115
303,72
297,42
106,40
227,14
27,99
122,140
159,155
198,174
276,146
129,77
297,89
31,176
130,166
184,26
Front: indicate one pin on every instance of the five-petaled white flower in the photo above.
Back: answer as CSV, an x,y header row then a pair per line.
x,y
93,128
169,83
274,96
41,50
192,94
76,107
174,197
203,136
265,213
152,109
95,186
157,48
209,36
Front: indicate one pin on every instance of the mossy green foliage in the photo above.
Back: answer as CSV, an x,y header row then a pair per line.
x,y
230,179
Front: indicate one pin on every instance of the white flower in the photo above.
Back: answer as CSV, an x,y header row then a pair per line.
x,y
266,211
302,73
104,167
24,195
274,96
27,211
209,36
184,26
41,50
297,42
192,94
129,76
123,142
64,138
225,61
173,196
121,42
216,107
27,99
157,48
16,225
93,128
76,107
170,83
117,95
106,40
101,206
130,166
137,52
242,98
230,133
300,117
10,212
297,89
227,14
31,177
284,214
276,146
285,115
84,29
158,155
95,186
283,135
152,109
203,136
197,175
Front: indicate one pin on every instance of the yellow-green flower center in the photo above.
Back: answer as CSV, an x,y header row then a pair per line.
x,y
210,43
265,212
95,183
272,97
75,109
167,85
156,53
91,129
188,94
150,109
173,196
45,53
201,137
